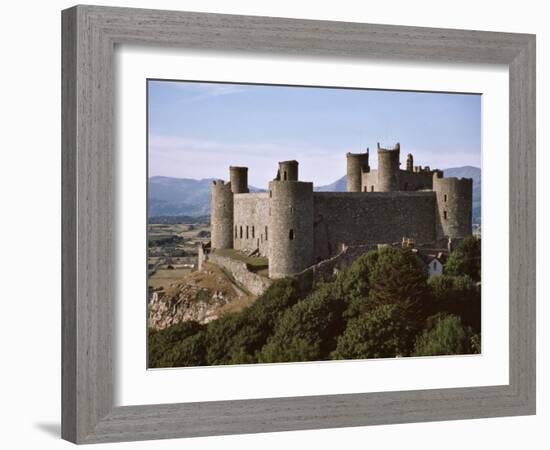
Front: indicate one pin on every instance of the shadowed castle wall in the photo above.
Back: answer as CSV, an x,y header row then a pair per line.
x,y
453,207
290,227
411,181
359,219
250,221
221,215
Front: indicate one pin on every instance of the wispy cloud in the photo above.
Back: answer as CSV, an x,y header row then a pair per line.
x,y
203,158
206,92
191,157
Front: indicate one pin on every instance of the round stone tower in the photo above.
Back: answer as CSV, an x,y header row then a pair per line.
x,y
410,162
388,168
288,170
290,227
239,179
454,206
357,164
221,215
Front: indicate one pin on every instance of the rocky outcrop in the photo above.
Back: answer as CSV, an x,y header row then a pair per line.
x,y
201,296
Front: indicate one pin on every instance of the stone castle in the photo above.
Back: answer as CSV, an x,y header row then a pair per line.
x,y
295,227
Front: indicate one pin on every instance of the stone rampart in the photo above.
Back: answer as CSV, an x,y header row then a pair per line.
x,y
254,283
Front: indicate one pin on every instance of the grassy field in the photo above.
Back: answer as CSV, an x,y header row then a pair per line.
x,y
165,277
256,262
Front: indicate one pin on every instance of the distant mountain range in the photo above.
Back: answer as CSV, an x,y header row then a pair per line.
x,y
185,196
181,196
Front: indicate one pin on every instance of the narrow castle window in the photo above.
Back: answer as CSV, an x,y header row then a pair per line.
x,y
291,210
247,231
445,215
291,234
372,188
364,188
252,231
270,194
445,198
241,231
236,232
284,175
266,233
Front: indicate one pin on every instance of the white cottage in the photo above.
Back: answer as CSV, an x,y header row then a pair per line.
x,y
433,263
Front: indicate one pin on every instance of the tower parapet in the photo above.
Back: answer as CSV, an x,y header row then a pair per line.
x,y
454,206
288,171
221,215
388,168
238,176
357,164
290,227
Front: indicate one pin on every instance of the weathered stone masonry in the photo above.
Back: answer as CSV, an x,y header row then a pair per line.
x,y
296,228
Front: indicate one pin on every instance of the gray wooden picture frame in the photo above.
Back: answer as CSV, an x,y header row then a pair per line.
x,y
90,34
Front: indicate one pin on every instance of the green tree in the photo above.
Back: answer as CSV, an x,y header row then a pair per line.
x,y
465,259
352,284
399,278
458,295
308,330
447,336
385,332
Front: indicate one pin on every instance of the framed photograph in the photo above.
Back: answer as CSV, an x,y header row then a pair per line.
x,y
278,224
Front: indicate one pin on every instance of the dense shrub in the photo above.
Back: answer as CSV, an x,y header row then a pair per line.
x,y
162,343
385,332
187,353
465,259
308,330
458,295
381,306
447,336
236,338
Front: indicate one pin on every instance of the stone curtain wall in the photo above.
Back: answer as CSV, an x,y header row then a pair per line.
x,y
369,219
408,181
415,180
326,270
252,211
369,182
254,283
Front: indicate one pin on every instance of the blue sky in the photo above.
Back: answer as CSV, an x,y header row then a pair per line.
x,y
197,130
